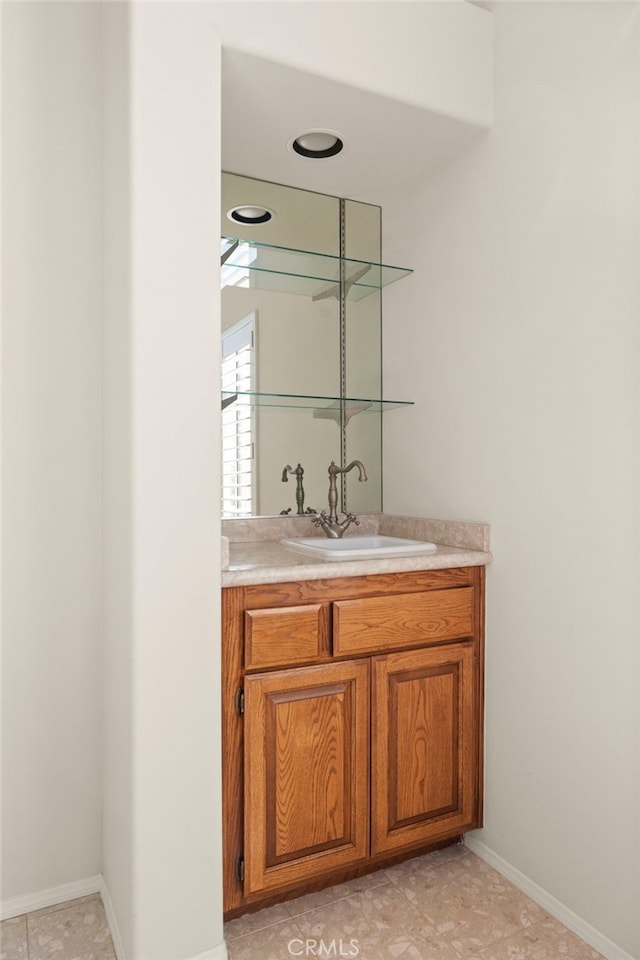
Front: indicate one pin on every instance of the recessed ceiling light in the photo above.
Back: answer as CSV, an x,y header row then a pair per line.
x,y
250,213
317,144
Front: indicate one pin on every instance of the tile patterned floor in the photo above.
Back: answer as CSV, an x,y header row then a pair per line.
x,y
75,930
447,905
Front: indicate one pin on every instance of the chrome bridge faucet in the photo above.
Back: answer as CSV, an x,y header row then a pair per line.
x,y
333,527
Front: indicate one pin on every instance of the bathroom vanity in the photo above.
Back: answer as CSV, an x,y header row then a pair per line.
x,y
352,713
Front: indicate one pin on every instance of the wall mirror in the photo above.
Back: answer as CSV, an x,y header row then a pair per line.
x,y
301,347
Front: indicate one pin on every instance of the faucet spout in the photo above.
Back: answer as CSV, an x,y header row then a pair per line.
x,y
334,470
333,527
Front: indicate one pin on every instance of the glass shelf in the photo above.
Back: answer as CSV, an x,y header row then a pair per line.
x,y
323,408
262,266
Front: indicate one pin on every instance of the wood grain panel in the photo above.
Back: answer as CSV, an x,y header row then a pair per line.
x,y
423,712
307,801
306,772
479,594
345,588
385,623
423,744
232,743
286,635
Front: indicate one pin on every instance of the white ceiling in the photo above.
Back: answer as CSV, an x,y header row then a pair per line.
x,y
388,144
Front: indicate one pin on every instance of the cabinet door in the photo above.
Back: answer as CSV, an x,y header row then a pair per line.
x,y
424,746
306,772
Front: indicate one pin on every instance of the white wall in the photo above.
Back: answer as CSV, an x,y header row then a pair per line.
x,y
161,619
51,709
518,333
435,55
162,810
118,849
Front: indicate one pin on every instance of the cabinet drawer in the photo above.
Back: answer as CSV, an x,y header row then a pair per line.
x,y
386,623
286,635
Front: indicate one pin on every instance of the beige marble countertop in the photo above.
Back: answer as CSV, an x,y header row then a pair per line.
x,y
254,559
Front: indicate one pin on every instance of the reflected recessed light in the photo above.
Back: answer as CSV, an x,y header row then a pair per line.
x,y
317,144
250,213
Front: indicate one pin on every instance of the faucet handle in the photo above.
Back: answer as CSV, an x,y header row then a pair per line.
x,y
351,517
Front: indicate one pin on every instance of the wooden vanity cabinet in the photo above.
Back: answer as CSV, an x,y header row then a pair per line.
x,y
352,726
423,746
306,772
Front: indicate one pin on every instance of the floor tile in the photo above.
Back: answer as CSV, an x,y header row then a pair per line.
x,y
378,922
13,939
428,860
65,905
330,894
280,941
466,901
547,940
446,905
79,932
251,922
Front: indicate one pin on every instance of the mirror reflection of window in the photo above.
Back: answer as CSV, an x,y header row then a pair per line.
x,y
238,420
234,272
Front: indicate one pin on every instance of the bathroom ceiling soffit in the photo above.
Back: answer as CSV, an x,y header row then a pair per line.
x,y
388,143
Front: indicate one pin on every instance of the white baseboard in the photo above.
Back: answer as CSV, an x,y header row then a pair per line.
x,y
111,921
16,906
548,902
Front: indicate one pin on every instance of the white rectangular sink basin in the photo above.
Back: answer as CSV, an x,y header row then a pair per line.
x,y
354,548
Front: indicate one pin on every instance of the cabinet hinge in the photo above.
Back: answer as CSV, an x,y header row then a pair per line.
x,y
240,868
240,701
